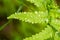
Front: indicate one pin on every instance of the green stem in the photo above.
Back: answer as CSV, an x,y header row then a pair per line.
x,y
3,26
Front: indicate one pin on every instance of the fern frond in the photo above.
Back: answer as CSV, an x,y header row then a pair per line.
x,y
57,36
55,23
31,17
47,33
39,3
44,5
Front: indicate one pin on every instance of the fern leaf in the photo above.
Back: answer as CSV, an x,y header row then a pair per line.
x,y
57,36
31,17
36,2
44,5
47,33
39,3
56,24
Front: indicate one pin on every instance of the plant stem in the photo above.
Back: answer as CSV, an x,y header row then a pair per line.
x,y
3,26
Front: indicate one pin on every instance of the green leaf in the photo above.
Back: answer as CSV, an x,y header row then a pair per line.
x,y
47,33
56,24
57,36
39,3
31,17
